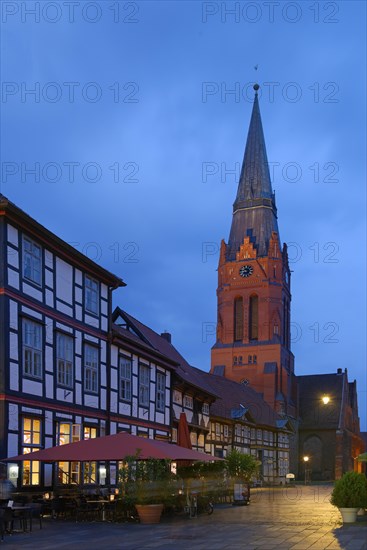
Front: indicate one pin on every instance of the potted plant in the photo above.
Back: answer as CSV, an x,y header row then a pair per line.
x,y
240,469
146,484
349,495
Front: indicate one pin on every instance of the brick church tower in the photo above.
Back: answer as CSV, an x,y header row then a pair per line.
x,y
253,324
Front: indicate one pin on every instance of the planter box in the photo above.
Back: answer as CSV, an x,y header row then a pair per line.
x,y
149,513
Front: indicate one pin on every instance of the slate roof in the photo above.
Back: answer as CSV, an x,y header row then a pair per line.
x,y
232,395
254,210
313,413
185,371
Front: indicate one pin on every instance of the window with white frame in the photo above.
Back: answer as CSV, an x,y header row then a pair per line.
x,y
32,349
160,391
91,295
225,430
64,359
90,368
205,409
125,378
31,441
32,261
90,432
144,383
177,397
188,402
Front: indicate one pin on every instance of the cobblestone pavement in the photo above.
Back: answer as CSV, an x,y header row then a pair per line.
x,y
289,519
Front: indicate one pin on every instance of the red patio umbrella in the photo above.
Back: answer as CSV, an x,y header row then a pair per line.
x,y
114,447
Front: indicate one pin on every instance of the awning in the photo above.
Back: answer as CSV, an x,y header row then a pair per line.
x,y
114,447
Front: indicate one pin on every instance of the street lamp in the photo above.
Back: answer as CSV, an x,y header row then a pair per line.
x,y
305,460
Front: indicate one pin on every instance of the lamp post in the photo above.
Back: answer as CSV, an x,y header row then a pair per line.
x,y
305,460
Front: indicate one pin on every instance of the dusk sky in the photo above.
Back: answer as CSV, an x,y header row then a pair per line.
x,y
130,146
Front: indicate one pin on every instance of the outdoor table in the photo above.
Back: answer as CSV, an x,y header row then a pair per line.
x,y
102,503
23,513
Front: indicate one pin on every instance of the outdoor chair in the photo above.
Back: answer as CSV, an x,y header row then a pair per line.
x,y
37,512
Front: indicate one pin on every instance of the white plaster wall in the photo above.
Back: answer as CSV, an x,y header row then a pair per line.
x,y
13,278
13,314
49,259
64,281
64,308
93,321
31,291
32,313
49,279
13,417
49,386
78,277
32,387
13,257
13,345
13,235
49,298
14,376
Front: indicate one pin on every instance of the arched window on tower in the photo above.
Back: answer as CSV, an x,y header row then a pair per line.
x,y
238,319
254,317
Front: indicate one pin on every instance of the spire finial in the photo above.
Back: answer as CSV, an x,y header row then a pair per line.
x,y
256,86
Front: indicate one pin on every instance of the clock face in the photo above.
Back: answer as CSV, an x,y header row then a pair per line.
x,y
246,270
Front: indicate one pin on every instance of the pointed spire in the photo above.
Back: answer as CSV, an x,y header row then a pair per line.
x,y
254,210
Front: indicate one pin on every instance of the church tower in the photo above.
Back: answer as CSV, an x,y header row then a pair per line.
x,y
253,322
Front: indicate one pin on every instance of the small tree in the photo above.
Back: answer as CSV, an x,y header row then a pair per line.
x,y
145,481
241,466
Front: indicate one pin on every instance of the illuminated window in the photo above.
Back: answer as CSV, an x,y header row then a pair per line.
x,y
32,349
31,441
64,360
90,432
32,261
90,368
68,472
160,391
89,472
125,378
91,295
174,435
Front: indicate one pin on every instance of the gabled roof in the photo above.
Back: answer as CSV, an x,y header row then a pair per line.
x,y
254,210
50,240
149,337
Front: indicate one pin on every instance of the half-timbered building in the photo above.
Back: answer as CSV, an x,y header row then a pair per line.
x,y
65,373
